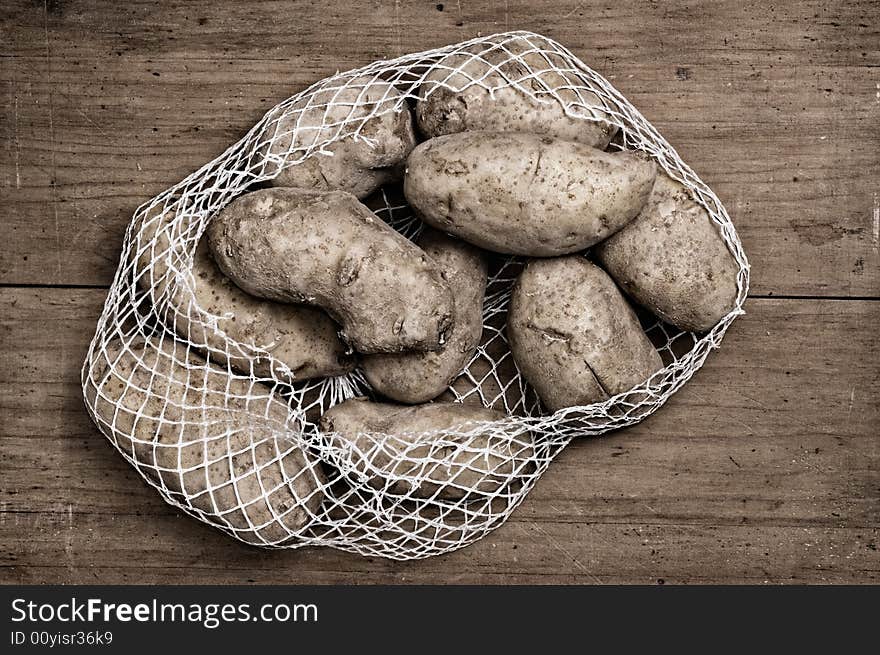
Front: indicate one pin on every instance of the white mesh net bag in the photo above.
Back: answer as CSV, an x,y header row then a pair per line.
x,y
224,431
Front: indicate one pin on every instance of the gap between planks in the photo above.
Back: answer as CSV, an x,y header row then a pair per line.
x,y
755,296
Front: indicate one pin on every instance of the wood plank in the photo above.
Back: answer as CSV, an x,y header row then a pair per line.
x,y
128,550
765,467
775,107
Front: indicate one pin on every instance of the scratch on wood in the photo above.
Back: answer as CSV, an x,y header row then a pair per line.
x,y
69,551
84,115
52,140
562,550
745,425
551,481
852,398
397,43
578,7
15,136
754,400
875,232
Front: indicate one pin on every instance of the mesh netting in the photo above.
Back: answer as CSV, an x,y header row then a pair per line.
x,y
224,431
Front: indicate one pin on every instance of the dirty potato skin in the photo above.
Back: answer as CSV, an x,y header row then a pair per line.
x,y
215,444
452,102
327,249
302,338
390,438
416,377
358,166
524,194
573,335
673,261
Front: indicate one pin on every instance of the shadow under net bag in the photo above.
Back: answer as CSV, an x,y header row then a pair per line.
x,y
223,429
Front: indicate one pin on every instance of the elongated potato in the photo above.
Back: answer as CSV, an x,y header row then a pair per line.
x,y
358,166
302,338
466,457
416,377
672,260
327,249
456,94
574,337
216,443
524,194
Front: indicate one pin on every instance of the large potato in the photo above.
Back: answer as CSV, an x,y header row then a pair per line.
x,y
573,335
416,377
672,260
456,94
301,338
216,443
524,194
327,249
466,456
356,165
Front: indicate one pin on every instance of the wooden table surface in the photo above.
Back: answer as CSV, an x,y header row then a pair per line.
x,y
764,468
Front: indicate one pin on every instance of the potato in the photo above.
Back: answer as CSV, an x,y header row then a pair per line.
x,y
302,338
456,96
673,261
573,335
387,445
358,166
327,249
217,444
523,194
416,377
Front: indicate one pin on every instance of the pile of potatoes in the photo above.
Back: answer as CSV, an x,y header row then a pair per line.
x,y
509,175
302,269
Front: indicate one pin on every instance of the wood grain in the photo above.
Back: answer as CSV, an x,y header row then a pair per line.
x,y
109,103
763,468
